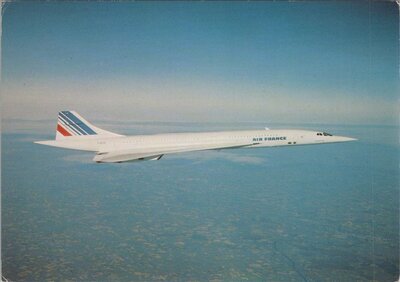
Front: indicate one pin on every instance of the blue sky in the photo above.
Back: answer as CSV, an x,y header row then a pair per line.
x,y
326,62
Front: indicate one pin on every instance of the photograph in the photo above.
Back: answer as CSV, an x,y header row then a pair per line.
x,y
200,141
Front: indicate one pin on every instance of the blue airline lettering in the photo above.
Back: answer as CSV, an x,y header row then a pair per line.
x,y
270,138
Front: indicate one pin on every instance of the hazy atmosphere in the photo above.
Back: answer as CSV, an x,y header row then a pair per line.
x,y
183,61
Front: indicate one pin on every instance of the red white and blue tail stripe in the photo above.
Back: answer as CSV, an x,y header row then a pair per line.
x,y
70,123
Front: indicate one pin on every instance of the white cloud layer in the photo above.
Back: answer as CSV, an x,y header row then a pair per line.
x,y
204,156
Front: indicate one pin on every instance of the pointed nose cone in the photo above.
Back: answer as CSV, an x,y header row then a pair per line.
x,y
344,139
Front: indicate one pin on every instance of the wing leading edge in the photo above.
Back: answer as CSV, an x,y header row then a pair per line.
x,y
136,154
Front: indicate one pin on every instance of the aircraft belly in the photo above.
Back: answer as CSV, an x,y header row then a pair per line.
x,y
149,153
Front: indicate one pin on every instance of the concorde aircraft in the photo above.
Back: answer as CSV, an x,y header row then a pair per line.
x,y
74,132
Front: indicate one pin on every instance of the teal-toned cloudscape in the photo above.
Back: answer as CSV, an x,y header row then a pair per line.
x,y
307,213
307,62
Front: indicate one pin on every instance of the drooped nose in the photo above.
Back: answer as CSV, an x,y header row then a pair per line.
x,y
344,139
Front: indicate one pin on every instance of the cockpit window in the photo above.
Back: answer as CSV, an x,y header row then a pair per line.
x,y
323,134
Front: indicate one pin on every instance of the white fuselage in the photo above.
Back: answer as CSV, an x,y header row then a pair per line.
x,y
74,132
258,138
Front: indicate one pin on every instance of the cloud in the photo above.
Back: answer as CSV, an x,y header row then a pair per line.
x,y
205,156
83,158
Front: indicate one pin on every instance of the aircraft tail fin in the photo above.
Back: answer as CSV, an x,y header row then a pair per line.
x,y
71,124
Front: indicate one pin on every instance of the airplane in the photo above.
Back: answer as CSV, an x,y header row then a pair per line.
x,y
74,132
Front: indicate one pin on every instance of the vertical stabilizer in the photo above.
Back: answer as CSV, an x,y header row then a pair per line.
x,y
70,124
